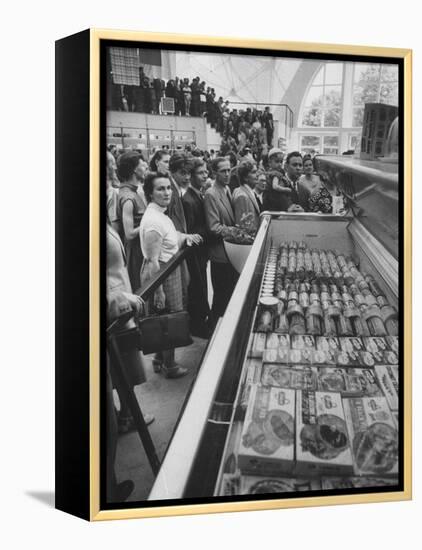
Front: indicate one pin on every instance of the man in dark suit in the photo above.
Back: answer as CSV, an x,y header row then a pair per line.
x,y
299,196
179,178
220,221
179,167
193,204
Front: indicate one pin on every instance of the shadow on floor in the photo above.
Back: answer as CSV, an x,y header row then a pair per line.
x,y
45,497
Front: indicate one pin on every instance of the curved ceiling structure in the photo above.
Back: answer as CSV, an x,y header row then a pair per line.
x,y
239,78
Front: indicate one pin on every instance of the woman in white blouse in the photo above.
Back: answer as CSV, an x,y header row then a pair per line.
x,y
160,242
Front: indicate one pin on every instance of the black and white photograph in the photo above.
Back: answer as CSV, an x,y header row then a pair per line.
x,y
253,275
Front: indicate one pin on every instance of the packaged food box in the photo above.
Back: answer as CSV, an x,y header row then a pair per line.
x,y
329,483
300,377
261,485
322,443
279,355
373,436
229,486
349,359
351,343
267,441
349,382
230,460
303,341
391,358
370,359
321,358
275,340
300,356
252,374
264,320
258,344
375,344
393,343
388,378
327,343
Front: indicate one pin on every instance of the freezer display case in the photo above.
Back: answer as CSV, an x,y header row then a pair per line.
x,y
298,389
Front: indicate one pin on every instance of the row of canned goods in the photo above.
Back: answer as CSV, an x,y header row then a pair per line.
x,y
354,306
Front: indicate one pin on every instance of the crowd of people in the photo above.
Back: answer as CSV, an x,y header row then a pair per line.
x,y
189,199
241,128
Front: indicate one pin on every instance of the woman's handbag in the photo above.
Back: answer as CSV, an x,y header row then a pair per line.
x,y
164,331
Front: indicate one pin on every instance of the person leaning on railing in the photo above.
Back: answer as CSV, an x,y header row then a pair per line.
x,y
160,242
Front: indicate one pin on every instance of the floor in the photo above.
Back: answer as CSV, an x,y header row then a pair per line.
x,y
164,399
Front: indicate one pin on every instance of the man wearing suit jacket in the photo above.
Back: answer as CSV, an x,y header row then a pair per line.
x,y
220,221
193,204
179,179
244,199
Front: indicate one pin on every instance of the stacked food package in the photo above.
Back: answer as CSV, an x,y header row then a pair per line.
x,y
319,396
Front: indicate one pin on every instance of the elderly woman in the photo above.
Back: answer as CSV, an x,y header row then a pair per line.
x,y
131,170
244,199
320,199
160,242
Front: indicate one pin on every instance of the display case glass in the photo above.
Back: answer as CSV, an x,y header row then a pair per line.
x,y
236,362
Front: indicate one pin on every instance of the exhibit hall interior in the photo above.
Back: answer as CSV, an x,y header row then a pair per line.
x,y
252,272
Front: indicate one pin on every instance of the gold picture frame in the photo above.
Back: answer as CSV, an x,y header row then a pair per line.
x,y
88,504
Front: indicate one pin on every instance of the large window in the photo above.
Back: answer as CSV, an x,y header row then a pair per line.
x,y
373,83
331,115
325,144
324,98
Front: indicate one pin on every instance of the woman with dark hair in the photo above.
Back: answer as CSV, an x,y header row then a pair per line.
x,y
245,203
131,170
160,162
160,242
320,199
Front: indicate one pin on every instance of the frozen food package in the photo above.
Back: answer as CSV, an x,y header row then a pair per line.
x,y
322,443
261,485
299,377
388,378
356,482
258,344
267,441
373,435
327,343
350,382
351,343
302,341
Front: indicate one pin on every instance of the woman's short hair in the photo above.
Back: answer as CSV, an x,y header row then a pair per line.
x,y
128,162
244,169
149,183
158,155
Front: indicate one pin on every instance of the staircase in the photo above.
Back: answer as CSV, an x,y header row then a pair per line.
x,y
213,138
